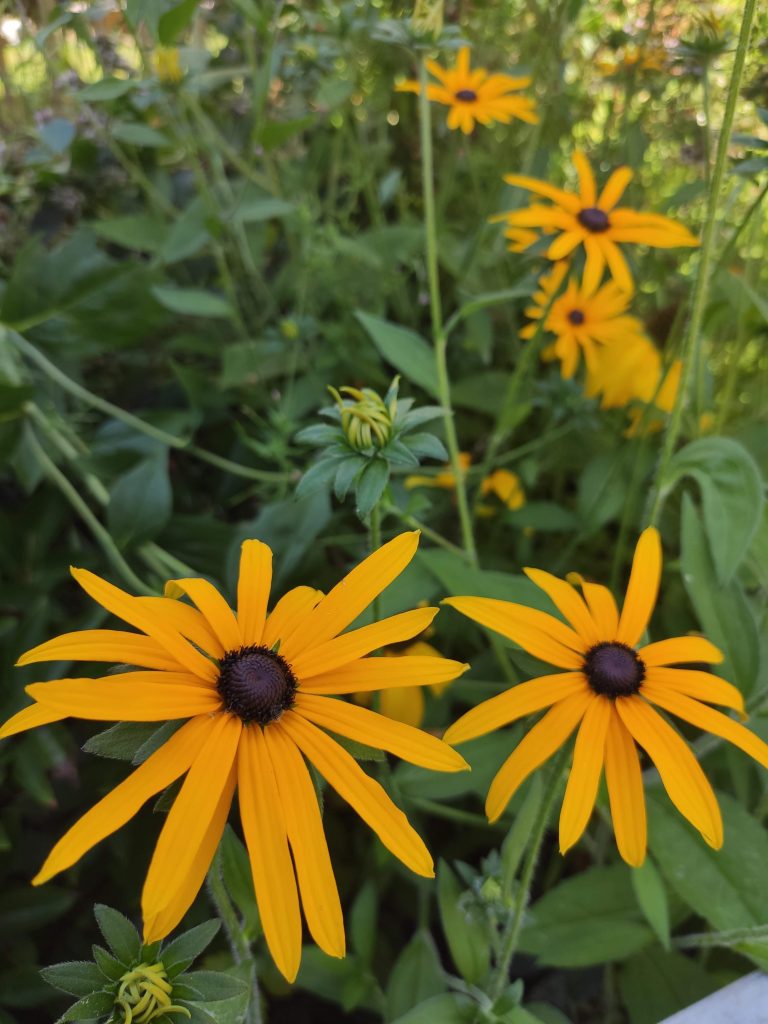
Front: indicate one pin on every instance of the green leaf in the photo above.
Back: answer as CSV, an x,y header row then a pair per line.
x,y
458,577
140,501
107,964
171,24
134,133
140,232
275,133
106,89
404,349
180,953
122,938
652,897
89,1008
655,984
465,929
25,909
731,494
260,208
416,976
363,919
214,986
426,446
443,1009
191,301
318,476
370,486
78,977
346,474
236,872
723,611
120,742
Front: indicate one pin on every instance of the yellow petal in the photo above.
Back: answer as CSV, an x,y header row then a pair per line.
x,y
264,826
319,895
120,699
564,244
215,609
253,588
584,778
540,634
602,608
385,673
679,650
587,186
618,266
355,592
187,620
348,646
287,618
29,718
171,873
594,264
642,588
103,645
534,749
699,685
559,196
624,779
681,774
614,188
121,803
135,613
568,603
366,726
362,793
520,700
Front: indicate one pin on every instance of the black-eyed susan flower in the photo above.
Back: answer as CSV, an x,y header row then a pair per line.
x,y
583,319
635,57
594,221
406,703
502,483
611,688
258,692
475,95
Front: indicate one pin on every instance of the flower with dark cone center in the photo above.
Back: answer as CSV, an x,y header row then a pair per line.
x,y
466,95
256,684
614,670
594,219
576,317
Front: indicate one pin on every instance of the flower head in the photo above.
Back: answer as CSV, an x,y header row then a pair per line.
x,y
502,483
594,221
256,691
610,690
635,57
368,420
475,95
167,65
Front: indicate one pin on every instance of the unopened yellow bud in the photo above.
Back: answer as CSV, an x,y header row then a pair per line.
x,y
366,419
145,994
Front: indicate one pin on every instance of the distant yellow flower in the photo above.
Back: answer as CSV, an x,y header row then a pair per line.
x,y
406,703
584,218
583,319
651,57
445,479
167,65
475,95
610,690
503,483
257,691
632,372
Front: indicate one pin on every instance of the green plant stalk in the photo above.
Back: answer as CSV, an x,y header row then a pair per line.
x,y
511,934
239,944
439,337
88,397
100,533
693,361
433,535
730,245
374,531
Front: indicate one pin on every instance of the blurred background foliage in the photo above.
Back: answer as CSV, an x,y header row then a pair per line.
x,y
209,213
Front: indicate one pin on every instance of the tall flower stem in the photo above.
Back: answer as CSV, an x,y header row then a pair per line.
x,y
514,925
693,355
238,942
439,337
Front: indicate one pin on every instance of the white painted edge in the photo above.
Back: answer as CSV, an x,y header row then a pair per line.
x,y
743,1002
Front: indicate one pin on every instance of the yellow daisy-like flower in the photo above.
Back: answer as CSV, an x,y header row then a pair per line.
x,y
475,95
167,64
406,703
594,221
610,690
258,691
503,483
651,57
582,318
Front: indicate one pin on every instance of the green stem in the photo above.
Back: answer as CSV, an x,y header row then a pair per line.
x,y
239,944
429,533
99,532
439,337
692,350
730,245
707,123
515,922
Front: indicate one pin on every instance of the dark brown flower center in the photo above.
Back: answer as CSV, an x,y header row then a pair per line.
x,y
256,684
576,317
594,219
614,670
466,95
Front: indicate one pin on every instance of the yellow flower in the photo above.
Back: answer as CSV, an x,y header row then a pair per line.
x,y
445,479
583,319
608,689
166,63
584,218
475,95
258,691
406,703
652,57
503,483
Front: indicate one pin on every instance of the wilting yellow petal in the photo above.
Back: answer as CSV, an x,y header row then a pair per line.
x,y
679,650
264,826
359,642
584,777
113,645
319,895
685,782
699,685
121,699
355,592
602,608
253,586
187,620
366,726
287,618
567,601
642,588
624,779
385,673
523,699
361,792
212,605
121,803
171,871
534,749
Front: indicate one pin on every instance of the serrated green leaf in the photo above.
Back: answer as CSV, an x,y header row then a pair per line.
x,y
107,964
78,977
184,949
89,1008
121,936
214,985
121,741
370,486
